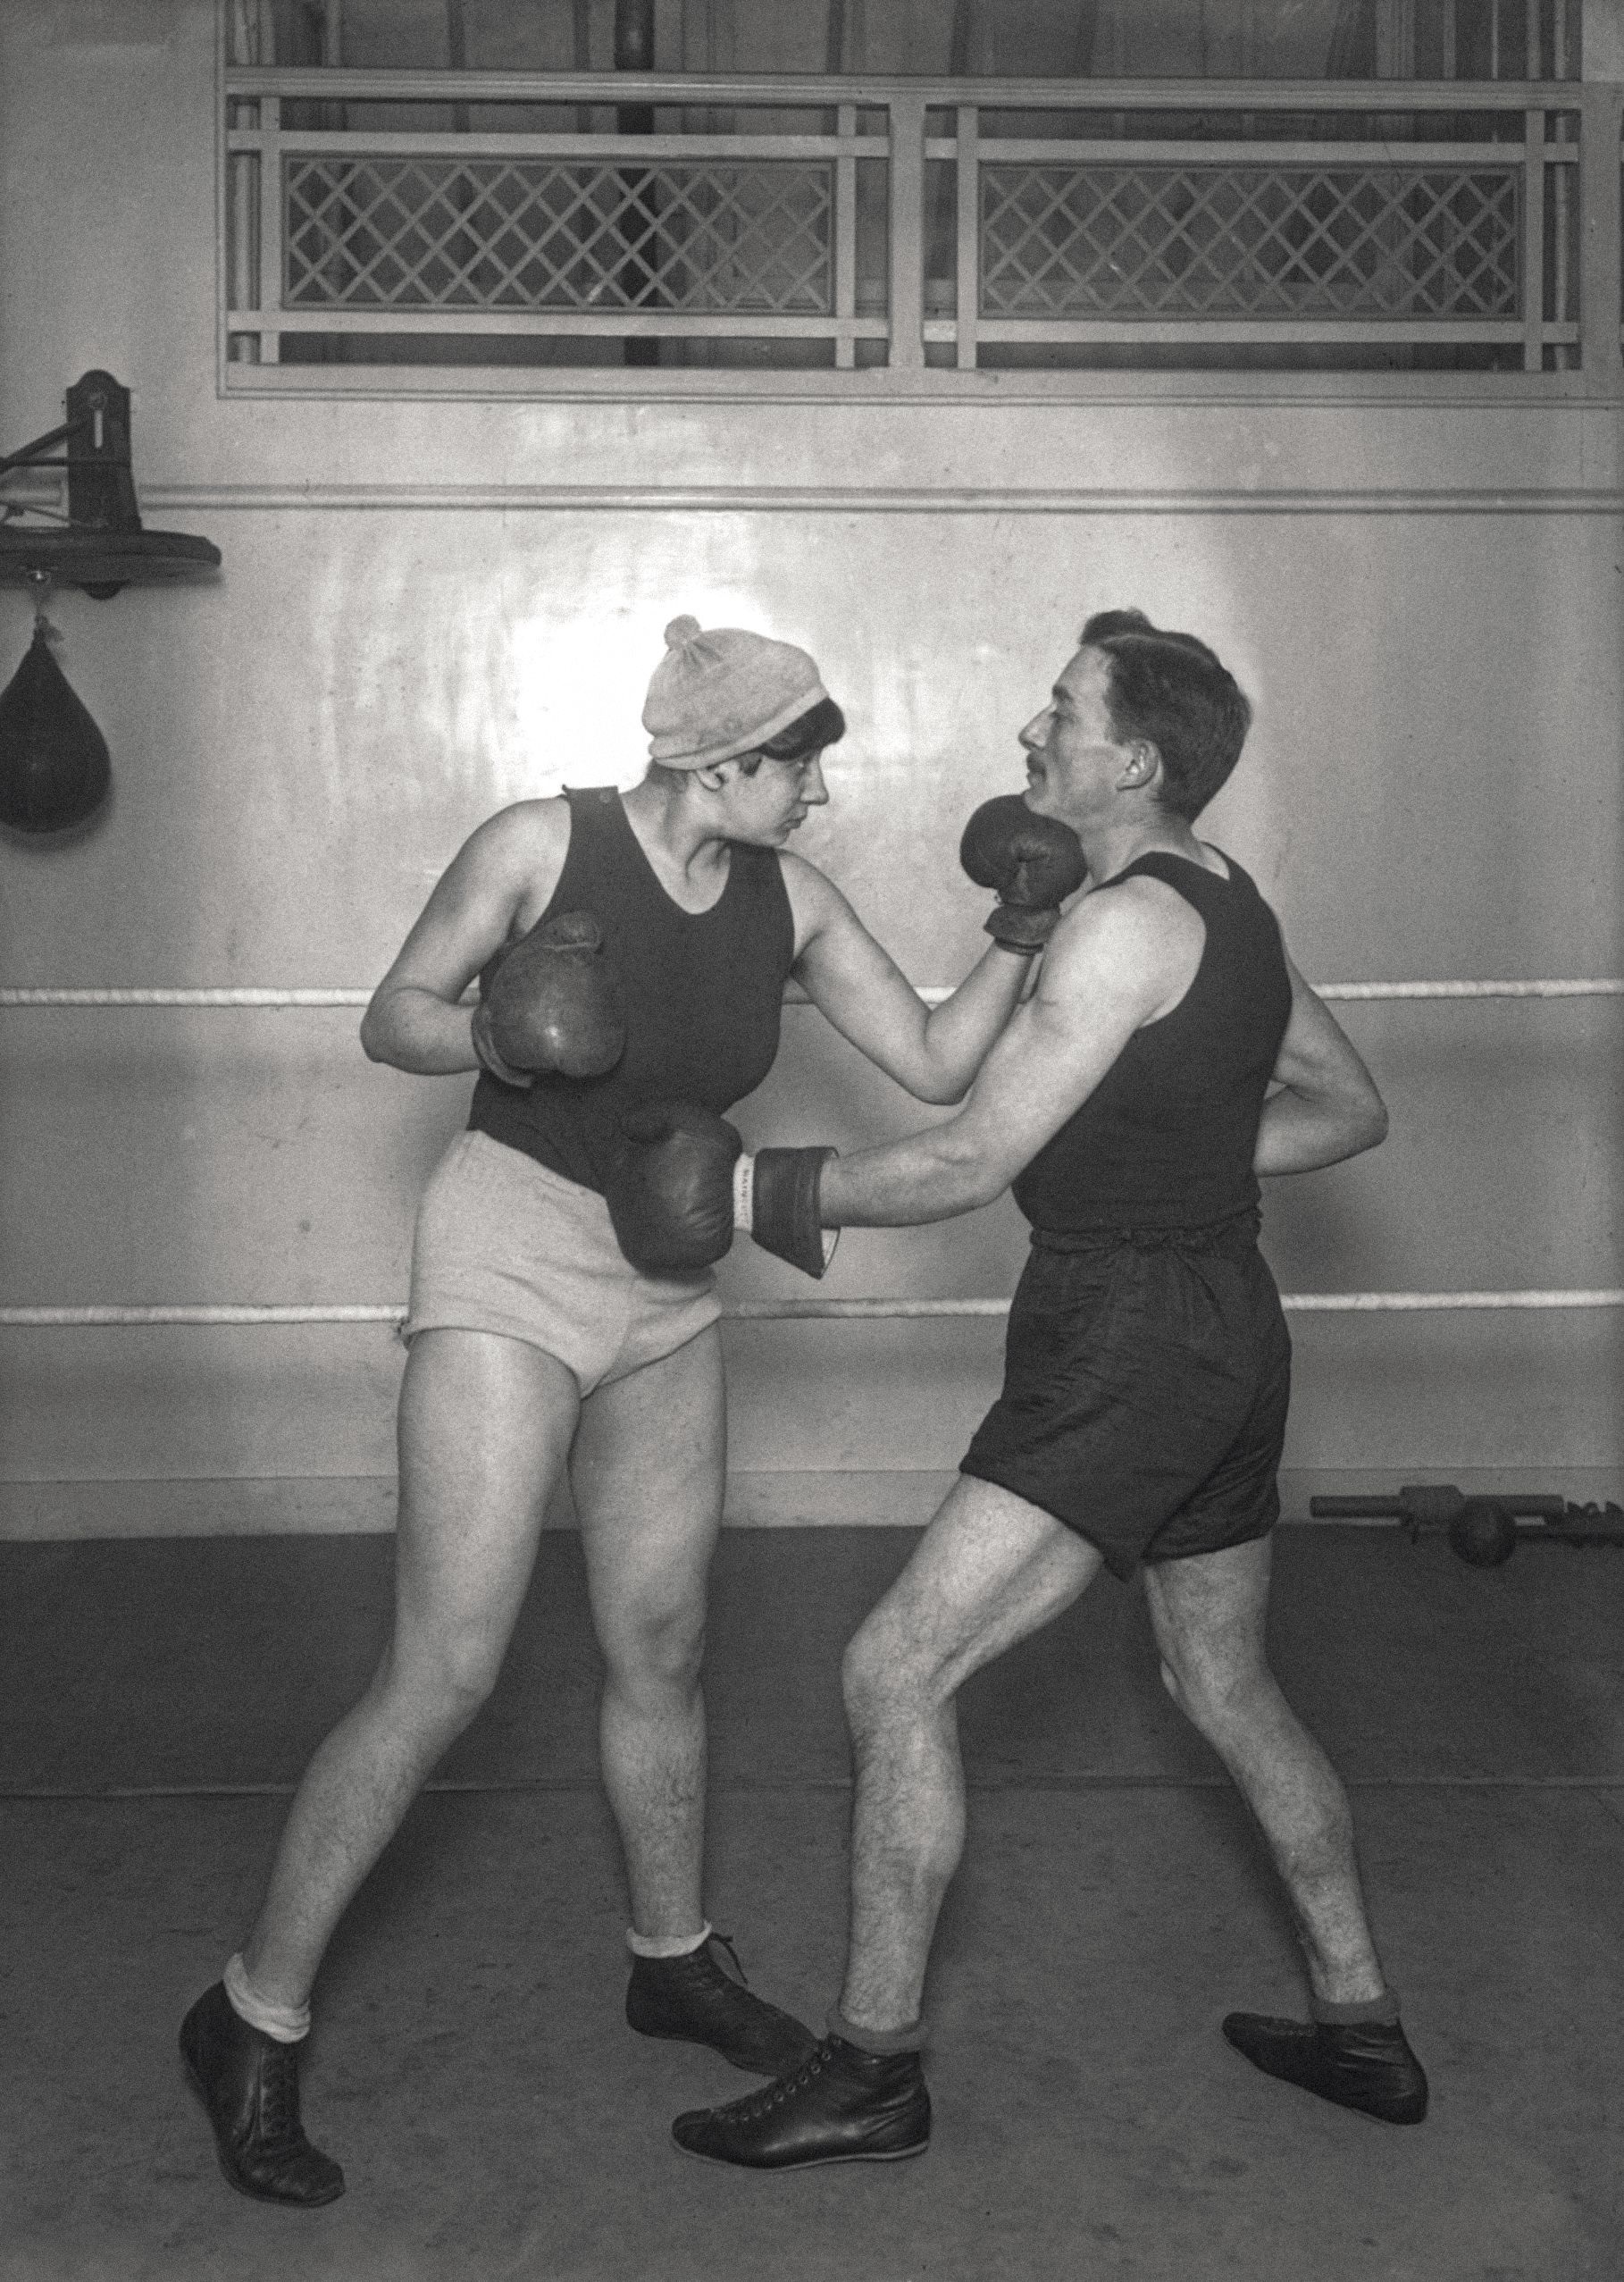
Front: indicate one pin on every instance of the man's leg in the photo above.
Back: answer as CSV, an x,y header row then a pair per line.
x,y
484,1426
991,1570
647,1472
1208,1612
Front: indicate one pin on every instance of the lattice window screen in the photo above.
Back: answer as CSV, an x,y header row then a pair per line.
x,y
375,232
1248,241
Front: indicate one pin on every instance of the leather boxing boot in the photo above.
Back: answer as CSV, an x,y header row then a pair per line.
x,y
693,2000
249,2084
844,2106
1365,2064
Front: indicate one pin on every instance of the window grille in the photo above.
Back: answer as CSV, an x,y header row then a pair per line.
x,y
792,224
438,233
1249,241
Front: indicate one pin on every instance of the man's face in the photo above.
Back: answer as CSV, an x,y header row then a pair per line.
x,y
1073,758
766,807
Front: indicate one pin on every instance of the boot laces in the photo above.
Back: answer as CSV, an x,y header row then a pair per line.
x,y
757,2104
279,2103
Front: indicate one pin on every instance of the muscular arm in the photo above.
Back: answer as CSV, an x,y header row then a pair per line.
x,y
934,1051
503,873
1117,961
1328,1107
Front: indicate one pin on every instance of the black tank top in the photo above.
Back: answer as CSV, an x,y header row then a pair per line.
x,y
703,994
1167,1138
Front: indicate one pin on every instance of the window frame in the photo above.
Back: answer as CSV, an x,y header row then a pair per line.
x,y
251,252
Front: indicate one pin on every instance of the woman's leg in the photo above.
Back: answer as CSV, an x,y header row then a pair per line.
x,y
485,1425
648,1470
647,1473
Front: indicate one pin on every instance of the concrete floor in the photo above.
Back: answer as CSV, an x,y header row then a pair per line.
x,y
471,2067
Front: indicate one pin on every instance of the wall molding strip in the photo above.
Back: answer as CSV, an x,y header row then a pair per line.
x,y
834,499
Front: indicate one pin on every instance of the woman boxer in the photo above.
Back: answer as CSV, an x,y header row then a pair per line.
x,y
634,949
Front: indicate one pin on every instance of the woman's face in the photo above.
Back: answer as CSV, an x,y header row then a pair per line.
x,y
767,807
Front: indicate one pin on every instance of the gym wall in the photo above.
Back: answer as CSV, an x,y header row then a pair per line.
x,y
1421,596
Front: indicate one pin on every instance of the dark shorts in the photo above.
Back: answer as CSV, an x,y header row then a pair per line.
x,y
1146,1381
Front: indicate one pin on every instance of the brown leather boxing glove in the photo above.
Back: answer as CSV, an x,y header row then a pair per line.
x,y
551,1001
1033,861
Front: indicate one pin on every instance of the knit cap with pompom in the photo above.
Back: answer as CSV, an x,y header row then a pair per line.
x,y
722,693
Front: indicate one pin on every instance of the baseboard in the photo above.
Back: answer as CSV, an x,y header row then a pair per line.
x,y
351,1504
313,1505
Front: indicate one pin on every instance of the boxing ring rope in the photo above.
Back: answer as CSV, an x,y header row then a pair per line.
x,y
787,1309
933,993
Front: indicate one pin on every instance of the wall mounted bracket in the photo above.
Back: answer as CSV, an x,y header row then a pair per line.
x,y
101,547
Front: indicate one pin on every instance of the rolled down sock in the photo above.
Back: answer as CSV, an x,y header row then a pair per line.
x,y
911,2039
1374,2012
667,1944
286,2024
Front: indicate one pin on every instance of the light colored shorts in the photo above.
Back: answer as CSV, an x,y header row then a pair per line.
x,y
503,1245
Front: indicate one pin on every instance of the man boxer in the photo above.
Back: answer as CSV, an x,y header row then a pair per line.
x,y
629,949
1170,1054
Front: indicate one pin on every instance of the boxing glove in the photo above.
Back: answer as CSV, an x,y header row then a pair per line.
x,y
1033,861
775,1196
670,1191
681,1185
551,1001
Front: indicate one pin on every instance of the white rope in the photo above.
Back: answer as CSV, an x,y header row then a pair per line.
x,y
933,993
1604,987
1360,1303
244,997
72,1318
773,1310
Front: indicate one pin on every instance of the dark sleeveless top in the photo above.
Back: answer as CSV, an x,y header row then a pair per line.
x,y
1167,1138
703,993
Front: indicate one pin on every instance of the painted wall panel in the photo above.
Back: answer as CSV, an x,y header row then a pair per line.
x,y
1432,789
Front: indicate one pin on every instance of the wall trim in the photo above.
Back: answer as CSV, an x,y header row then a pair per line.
x,y
1134,388
364,1503
834,498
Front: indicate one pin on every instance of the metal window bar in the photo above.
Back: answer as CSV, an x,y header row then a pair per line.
x,y
967,178
1209,241
1600,258
1534,241
845,226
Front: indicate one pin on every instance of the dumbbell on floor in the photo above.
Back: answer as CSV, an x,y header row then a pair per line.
x,y
1482,1529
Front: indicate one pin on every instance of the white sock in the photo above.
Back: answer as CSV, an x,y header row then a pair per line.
x,y
287,2024
667,1944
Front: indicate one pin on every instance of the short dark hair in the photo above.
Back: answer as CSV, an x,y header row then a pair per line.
x,y
1170,689
821,725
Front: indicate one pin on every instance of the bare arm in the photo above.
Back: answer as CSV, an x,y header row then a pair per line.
x,y
934,1051
1328,1107
1115,962
503,875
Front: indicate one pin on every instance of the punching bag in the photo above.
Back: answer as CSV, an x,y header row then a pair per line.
x,y
55,765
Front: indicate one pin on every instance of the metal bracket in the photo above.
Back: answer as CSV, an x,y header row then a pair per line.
x,y
102,547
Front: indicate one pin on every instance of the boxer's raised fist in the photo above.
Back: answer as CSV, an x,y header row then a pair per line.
x,y
1033,862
